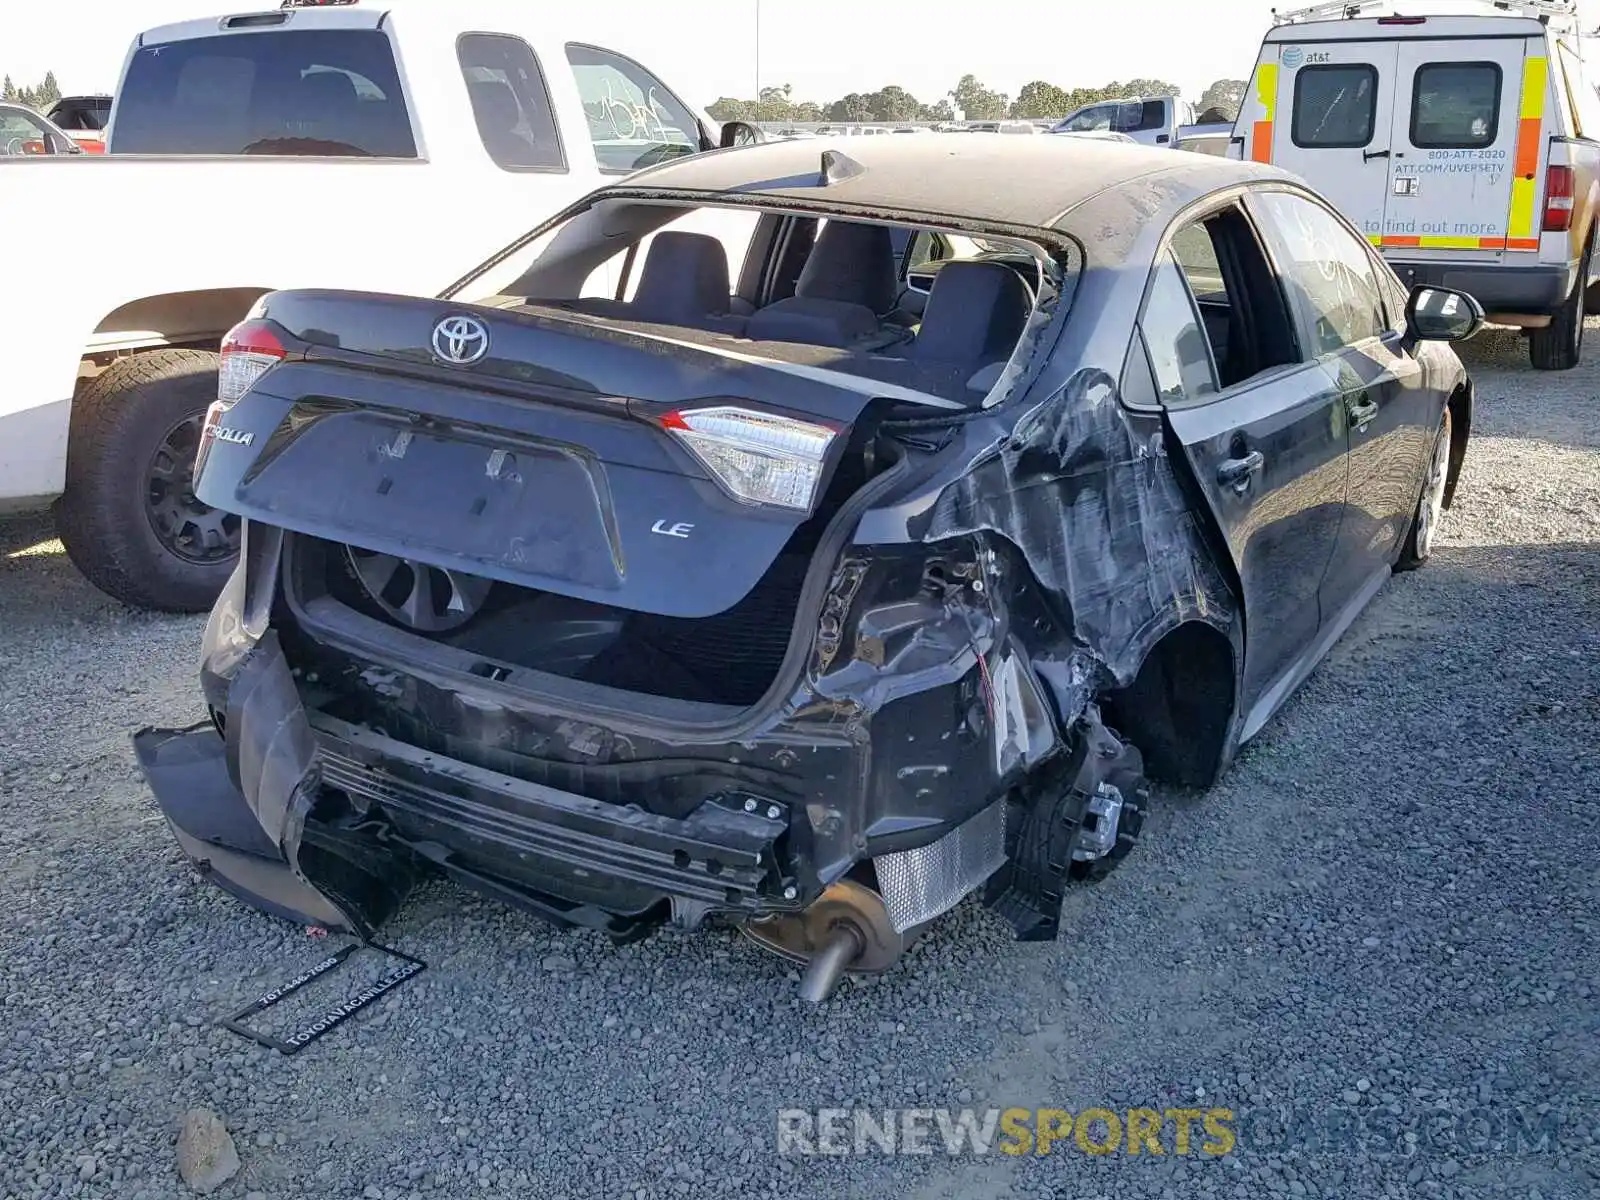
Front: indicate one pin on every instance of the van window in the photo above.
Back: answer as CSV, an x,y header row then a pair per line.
x,y
322,92
1455,106
510,102
1335,106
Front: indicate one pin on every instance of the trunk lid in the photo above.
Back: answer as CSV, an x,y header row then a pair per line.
x,y
551,462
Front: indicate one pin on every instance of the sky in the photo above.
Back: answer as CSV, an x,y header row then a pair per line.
x,y
823,48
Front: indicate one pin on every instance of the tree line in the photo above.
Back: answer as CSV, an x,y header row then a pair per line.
x,y
976,102
40,97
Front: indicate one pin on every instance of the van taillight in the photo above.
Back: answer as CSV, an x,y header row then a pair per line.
x,y
1558,199
1402,20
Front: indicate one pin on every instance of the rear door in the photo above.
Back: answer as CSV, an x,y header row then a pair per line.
x,y
1336,101
1454,141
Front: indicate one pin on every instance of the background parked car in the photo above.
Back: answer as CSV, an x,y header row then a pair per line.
x,y
24,133
83,119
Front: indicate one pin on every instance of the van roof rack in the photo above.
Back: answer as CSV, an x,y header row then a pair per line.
x,y
1545,10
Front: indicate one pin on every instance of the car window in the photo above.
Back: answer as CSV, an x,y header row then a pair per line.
x,y
322,92
634,121
1179,355
1327,272
21,133
1196,255
510,102
1455,106
83,116
1395,295
1335,106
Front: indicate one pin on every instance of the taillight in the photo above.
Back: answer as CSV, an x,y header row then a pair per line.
x,y
756,457
1402,20
1558,194
249,351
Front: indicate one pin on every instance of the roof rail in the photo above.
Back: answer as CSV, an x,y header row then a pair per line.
x,y
1545,10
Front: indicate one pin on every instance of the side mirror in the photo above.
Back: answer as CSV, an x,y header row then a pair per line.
x,y
1435,314
740,133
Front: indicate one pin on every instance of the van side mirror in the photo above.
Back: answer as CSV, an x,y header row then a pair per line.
x,y
1435,314
740,133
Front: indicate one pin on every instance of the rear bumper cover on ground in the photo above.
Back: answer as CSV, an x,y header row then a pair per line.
x,y
1531,290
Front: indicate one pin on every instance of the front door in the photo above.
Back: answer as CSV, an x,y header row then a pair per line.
x,y
1335,99
1344,324
1454,145
1262,432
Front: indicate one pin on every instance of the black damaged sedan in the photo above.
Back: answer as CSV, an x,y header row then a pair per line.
x,y
813,572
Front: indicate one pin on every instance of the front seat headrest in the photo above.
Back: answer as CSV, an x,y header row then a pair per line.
x,y
974,315
853,264
685,279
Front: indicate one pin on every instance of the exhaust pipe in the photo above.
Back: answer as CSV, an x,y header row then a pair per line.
x,y
846,930
843,947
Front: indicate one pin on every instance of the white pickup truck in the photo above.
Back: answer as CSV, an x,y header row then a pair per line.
x,y
1154,121
385,145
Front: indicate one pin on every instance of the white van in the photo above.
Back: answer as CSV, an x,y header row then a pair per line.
x,y
1459,144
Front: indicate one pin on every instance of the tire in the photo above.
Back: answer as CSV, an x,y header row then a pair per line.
x,y
1430,503
1559,345
128,519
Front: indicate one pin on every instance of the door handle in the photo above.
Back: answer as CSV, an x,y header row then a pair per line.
x,y
1237,472
1361,410
1368,155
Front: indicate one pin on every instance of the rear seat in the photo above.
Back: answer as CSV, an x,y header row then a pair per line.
x,y
684,281
848,285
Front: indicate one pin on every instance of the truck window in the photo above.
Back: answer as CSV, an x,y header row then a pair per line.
x,y
1455,105
510,102
1092,119
1139,116
1335,106
634,121
322,92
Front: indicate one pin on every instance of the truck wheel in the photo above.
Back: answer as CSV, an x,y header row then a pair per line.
x,y
1559,344
129,519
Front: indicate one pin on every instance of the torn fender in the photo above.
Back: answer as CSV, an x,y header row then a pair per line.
x,y
1086,493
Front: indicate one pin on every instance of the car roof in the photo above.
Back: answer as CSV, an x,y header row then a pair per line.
x,y
1028,182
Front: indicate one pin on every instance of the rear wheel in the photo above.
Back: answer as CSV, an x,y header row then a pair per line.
x,y
129,518
1430,503
1558,346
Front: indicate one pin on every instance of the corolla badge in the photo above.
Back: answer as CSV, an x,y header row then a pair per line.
x,y
460,340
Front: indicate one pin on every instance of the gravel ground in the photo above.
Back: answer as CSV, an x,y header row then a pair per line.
x,y
1387,912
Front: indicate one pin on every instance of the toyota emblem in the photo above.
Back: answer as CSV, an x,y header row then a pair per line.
x,y
460,340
